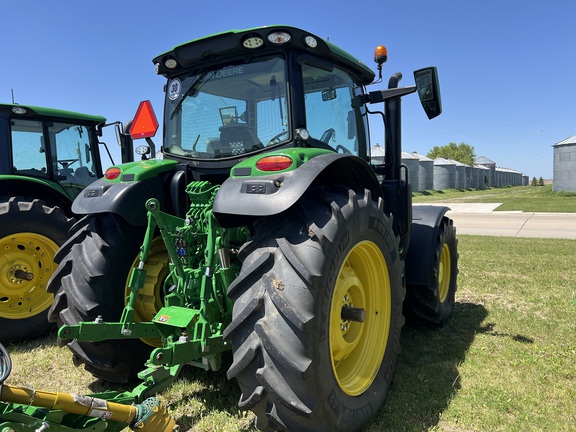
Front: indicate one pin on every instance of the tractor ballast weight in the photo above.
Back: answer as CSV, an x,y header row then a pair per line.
x,y
267,229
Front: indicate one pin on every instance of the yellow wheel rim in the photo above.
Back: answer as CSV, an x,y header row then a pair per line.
x,y
444,272
357,348
151,296
26,264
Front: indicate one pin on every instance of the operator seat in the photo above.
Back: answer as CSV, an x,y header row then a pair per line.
x,y
236,139
83,176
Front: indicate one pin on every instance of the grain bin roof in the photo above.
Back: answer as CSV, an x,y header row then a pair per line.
x,y
484,160
406,155
421,157
442,161
567,141
377,151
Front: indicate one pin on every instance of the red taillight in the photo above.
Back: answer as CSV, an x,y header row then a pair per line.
x,y
274,163
112,173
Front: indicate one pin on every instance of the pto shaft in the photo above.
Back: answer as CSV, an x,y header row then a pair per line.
x,y
149,416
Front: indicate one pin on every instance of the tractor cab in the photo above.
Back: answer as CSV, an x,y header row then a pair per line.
x,y
54,147
240,93
51,145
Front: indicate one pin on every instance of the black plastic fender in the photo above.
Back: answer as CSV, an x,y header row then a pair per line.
x,y
419,260
243,198
126,199
26,188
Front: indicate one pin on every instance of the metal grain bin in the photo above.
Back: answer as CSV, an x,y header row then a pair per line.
x,y
460,174
377,155
491,165
483,173
444,174
473,176
413,164
426,172
565,165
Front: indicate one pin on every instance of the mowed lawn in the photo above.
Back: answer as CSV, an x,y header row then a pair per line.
x,y
505,362
522,198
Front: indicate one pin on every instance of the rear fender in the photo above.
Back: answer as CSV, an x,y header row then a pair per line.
x,y
243,198
127,195
426,222
35,189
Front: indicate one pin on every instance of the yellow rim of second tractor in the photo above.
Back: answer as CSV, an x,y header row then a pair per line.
x,y
357,348
444,273
26,264
151,295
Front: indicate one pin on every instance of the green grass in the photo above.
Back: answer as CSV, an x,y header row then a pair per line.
x,y
520,198
506,361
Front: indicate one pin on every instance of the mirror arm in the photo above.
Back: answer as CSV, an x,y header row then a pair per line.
x,y
384,95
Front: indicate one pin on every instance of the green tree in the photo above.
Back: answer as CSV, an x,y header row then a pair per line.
x,y
459,152
534,181
540,181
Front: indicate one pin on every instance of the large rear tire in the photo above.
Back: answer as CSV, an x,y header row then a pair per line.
x,y
432,304
30,234
91,281
302,365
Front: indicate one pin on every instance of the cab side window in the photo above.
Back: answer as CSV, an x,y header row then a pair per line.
x,y
28,148
71,153
331,115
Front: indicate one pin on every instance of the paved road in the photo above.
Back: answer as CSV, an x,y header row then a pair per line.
x,y
480,219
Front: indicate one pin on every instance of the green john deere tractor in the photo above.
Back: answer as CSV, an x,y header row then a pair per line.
x,y
266,230
47,157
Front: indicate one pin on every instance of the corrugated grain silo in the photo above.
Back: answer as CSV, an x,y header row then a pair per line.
x,y
491,165
426,172
460,174
565,165
483,173
377,155
473,172
517,178
444,174
413,164
498,177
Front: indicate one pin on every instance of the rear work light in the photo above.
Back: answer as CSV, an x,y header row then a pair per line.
x,y
274,163
112,173
279,37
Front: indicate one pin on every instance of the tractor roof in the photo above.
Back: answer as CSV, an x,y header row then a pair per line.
x,y
35,111
228,44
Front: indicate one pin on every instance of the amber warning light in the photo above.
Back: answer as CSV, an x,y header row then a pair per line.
x,y
144,124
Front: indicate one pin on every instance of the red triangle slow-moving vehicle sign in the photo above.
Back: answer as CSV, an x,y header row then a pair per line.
x,y
144,124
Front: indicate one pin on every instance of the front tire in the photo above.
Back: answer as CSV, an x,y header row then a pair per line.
x,y
91,281
432,304
302,365
30,234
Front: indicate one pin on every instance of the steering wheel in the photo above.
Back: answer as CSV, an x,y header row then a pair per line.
x,y
344,149
277,137
327,135
67,162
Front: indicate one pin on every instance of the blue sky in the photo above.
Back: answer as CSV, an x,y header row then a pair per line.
x,y
506,67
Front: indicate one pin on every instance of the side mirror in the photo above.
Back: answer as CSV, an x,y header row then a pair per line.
x,y
428,88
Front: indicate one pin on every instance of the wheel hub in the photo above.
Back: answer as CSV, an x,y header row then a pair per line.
x,y
19,274
444,273
360,318
151,296
26,264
